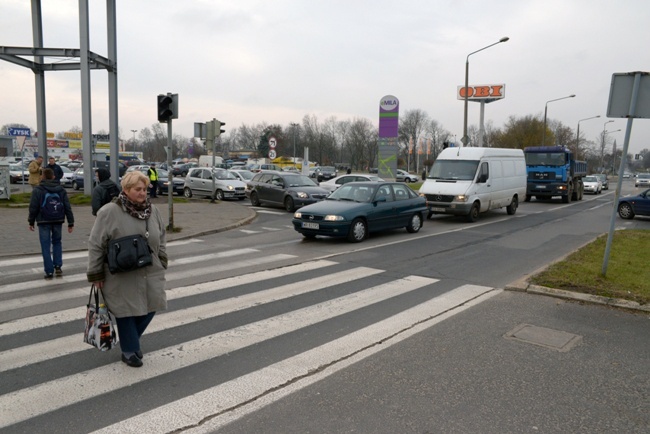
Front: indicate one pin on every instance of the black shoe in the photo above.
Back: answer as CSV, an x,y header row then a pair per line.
x,y
58,272
139,355
132,361
48,276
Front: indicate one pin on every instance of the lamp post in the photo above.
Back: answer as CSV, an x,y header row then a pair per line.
x,y
465,139
602,146
545,111
294,125
134,131
613,152
578,133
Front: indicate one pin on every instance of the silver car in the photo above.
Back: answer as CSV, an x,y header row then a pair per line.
x,y
219,184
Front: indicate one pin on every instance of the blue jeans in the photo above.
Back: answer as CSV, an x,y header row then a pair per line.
x,y
51,248
130,329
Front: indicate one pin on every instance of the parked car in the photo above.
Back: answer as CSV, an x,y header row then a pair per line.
x,y
121,167
642,180
284,189
404,176
630,206
243,175
359,208
335,183
323,173
163,183
592,184
183,169
78,179
68,176
215,183
18,174
603,180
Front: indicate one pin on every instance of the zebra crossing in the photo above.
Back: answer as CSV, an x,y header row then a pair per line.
x,y
242,337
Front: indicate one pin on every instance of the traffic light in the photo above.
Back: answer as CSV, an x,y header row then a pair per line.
x,y
167,107
217,128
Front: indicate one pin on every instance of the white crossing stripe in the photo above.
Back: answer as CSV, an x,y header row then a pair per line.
x,y
178,275
23,404
71,344
225,400
210,256
248,231
36,259
60,317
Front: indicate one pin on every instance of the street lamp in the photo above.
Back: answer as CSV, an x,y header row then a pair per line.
x,y
134,131
294,125
613,152
578,134
465,140
545,110
602,147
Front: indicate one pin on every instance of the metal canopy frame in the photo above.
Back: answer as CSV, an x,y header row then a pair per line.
x,y
87,61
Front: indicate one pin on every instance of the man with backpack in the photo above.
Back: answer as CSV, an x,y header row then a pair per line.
x,y
105,190
50,207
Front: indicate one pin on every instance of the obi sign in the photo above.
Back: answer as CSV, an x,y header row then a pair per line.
x,y
481,92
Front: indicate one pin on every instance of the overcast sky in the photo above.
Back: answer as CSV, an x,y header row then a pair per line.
x,y
248,61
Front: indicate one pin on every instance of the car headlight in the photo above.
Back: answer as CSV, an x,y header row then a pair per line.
x,y
334,218
297,215
460,198
230,187
302,194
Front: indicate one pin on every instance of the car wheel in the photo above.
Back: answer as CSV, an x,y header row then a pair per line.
x,y
512,208
625,211
358,231
219,195
255,201
75,186
407,180
473,213
289,205
415,224
187,192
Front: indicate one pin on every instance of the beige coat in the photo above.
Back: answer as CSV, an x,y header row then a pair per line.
x,y
136,292
34,173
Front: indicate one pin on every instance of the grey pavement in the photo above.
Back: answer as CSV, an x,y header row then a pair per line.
x,y
192,219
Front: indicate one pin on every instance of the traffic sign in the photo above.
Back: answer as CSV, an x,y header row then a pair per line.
x,y
272,154
272,143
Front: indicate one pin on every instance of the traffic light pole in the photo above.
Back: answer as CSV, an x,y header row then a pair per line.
x,y
170,178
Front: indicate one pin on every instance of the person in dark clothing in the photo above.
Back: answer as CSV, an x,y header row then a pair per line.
x,y
58,172
50,219
104,191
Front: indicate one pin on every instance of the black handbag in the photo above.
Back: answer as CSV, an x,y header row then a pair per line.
x,y
129,253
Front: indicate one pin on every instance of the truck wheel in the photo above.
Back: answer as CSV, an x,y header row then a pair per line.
x,y
527,198
473,213
567,198
512,208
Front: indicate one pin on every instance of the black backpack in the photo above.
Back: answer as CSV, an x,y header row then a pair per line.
x,y
52,208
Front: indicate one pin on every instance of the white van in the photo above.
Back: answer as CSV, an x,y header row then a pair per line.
x,y
206,161
469,181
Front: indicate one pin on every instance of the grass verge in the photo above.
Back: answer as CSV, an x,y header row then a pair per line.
x,y
627,274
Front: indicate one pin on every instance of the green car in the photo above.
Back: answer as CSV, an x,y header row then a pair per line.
x,y
358,208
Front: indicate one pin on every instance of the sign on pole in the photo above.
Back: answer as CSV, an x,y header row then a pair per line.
x,y
388,129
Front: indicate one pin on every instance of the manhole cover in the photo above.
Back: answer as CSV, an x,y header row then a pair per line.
x,y
548,338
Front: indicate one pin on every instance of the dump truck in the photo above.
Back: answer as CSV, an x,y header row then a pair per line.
x,y
553,171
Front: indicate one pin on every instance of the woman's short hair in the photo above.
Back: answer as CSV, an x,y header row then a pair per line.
x,y
130,179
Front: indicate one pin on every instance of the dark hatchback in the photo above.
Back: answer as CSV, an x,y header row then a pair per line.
x,y
358,208
284,189
630,206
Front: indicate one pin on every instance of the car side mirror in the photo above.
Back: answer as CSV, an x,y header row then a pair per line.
x,y
380,199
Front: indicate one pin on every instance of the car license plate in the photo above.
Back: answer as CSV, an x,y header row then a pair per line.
x,y
309,225
434,209
541,187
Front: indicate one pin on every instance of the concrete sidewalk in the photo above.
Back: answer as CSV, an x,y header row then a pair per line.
x,y
195,218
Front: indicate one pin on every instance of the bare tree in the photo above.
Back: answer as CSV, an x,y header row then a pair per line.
x,y
411,128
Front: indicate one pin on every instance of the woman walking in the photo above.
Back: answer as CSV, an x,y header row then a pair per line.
x,y
133,296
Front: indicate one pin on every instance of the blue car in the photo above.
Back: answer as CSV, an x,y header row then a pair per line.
x,y
630,206
358,208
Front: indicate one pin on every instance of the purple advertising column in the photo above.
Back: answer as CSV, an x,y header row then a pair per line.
x,y
388,129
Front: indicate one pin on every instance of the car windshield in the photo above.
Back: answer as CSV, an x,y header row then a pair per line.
x,y
223,174
643,176
246,174
299,181
591,179
356,193
327,169
15,167
457,170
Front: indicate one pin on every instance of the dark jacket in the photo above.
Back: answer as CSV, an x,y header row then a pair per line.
x,y
58,172
52,186
104,192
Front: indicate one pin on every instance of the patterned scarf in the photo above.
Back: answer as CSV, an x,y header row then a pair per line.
x,y
140,211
